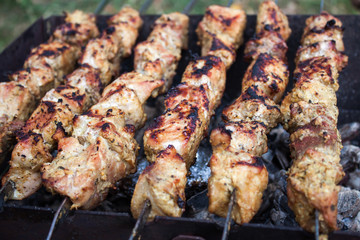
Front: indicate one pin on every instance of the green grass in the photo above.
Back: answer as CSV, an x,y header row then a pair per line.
x,y
17,15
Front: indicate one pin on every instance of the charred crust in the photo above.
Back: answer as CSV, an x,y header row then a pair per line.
x,y
59,127
50,106
105,126
210,63
180,202
47,53
251,93
109,30
256,162
129,128
217,44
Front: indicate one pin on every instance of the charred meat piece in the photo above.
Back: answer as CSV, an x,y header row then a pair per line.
x,y
159,55
236,163
163,183
78,29
172,141
44,68
220,32
186,120
271,18
53,119
310,115
105,148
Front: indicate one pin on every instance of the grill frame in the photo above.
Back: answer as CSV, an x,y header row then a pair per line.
x,y
29,221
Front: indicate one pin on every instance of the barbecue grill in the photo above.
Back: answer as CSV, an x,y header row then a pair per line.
x,y
31,218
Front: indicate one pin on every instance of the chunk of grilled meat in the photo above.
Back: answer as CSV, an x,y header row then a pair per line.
x,y
44,69
163,183
172,141
53,119
271,18
78,29
159,55
310,115
236,163
61,57
105,149
189,107
220,32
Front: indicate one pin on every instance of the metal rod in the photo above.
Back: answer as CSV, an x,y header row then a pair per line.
x,y
189,6
6,191
60,214
229,3
227,225
321,5
101,6
140,223
145,6
277,2
317,224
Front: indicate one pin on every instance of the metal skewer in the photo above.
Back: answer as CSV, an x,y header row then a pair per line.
x,y
145,211
317,225
189,6
60,215
229,3
227,225
140,223
145,6
101,6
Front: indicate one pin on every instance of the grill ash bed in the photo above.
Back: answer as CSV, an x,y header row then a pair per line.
x,y
33,216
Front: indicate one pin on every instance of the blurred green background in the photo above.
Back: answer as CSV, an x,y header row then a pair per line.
x,y
17,15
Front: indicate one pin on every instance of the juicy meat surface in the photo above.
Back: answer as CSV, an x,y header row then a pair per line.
x,y
220,32
163,183
271,18
172,141
185,122
53,119
236,163
159,55
310,115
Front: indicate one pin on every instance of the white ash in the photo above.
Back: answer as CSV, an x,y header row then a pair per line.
x,y
348,217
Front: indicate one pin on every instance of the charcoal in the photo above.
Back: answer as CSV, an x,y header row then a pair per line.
x,y
348,209
350,157
349,131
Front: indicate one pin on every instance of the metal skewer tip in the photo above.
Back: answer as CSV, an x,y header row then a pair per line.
x,y
321,6
277,2
229,3
140,223
6,192
189,6
227,225
145,6
101,6
317,225
60,214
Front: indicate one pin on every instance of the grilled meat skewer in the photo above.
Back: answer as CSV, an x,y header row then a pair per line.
x,y
43,69
102,149
53,119
236,163
310,115
172,141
